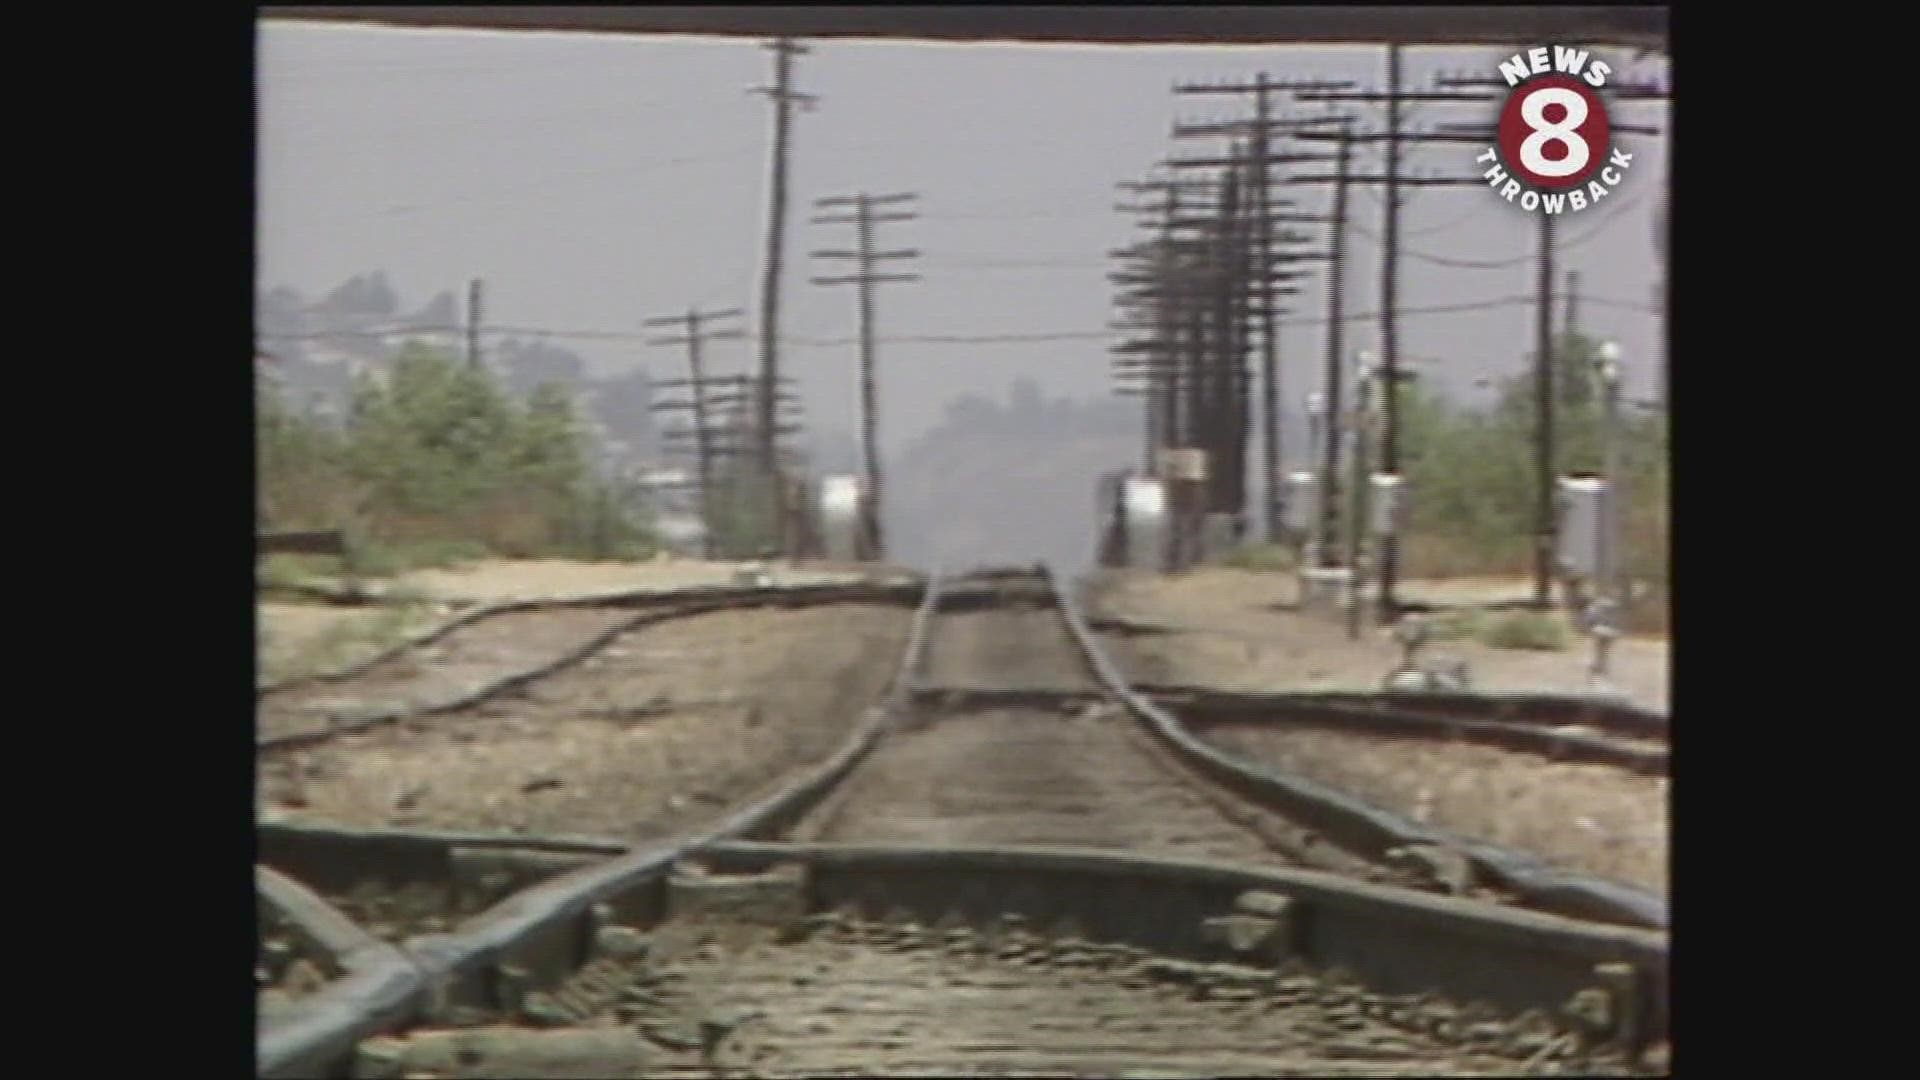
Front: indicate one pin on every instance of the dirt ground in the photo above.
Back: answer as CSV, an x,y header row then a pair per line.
x,y
501,579
302,639
297,639
651,735
1232,629
473,655
1597,818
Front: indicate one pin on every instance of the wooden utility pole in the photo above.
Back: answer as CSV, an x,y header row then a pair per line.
x,y
1261,130
1389,389
473,324
1162,280
1543,397
731,442
783,95
1269,320
697,381
864,219
1329,487
1390,376
1543,361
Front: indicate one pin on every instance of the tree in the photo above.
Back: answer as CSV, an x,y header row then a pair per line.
x,y
434,452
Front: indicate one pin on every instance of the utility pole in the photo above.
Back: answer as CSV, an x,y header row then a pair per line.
x,y
1269,323
1543,397
729,403
1261,180
1662,225
1624,93
1329,497
1165,280
1572,325
473,324
864,219
1390,376
783,95
1389,331
702,429
1195,286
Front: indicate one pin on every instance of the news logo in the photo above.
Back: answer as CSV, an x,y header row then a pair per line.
x,y
1553,151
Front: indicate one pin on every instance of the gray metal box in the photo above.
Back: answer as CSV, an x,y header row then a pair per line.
x,y
1389,504
1580,499
840,498
1303,501
1144,504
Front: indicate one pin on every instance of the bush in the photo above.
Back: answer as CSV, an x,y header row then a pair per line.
x,y
1525,630
1472,481
437,465
1435,555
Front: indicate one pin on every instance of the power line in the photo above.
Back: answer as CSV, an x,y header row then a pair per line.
x,y
562,333
1017,264
1038,215
1453,224
1470,264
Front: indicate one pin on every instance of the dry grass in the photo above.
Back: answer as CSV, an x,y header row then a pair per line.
x,y
1542,631
499,579
1437,556
1261,558
1596,818
305,639
1234,630
658,730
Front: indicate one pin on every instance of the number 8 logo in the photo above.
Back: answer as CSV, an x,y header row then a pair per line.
x,y
1554,132
1533,110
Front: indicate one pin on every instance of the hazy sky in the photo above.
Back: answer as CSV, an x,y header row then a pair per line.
x,y
593,181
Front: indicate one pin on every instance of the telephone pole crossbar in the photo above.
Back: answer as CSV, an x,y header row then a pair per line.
x,y
865,277
698,381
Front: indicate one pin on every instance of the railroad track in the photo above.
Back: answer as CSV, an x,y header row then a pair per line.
x,y
1012,824
1596,730
1012,739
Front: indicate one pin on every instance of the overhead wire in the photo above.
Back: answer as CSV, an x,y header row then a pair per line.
x,y
582,334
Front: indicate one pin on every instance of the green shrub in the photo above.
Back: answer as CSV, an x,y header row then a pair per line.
x,y
437,465
1471,473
